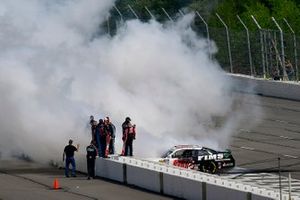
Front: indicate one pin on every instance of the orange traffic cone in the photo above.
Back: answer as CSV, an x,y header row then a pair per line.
x,y
56,184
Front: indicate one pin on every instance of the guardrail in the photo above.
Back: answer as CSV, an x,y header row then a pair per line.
x,y
178,182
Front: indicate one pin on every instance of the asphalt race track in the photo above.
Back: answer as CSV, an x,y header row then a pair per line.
x,y
277,135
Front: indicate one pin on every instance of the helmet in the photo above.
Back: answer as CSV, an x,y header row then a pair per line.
x,y
128,119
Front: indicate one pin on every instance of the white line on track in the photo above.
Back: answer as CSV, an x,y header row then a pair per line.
x,y
281,121
245,130
285,137
290,156
248,148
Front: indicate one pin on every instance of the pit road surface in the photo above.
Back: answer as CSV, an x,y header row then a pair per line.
x,y
29,181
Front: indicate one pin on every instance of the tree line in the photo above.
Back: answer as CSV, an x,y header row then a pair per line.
x,y
262,10
265,49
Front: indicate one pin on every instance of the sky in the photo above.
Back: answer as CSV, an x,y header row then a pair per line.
x,y
58,67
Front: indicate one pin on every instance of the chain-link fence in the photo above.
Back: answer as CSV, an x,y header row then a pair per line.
x,y
264,53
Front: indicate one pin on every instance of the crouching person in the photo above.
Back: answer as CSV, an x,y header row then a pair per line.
x,y
91,153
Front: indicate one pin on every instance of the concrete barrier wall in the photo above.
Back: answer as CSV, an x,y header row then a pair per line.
x,y
256,197
110,169
182,187
143,174
216,192
178,182
144,178
280,89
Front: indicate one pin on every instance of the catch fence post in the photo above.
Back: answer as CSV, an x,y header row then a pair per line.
x,y
167,14
133,12
228,42
108,25
295,48
207,33
151,15
249,46
118,11
279,176
181,13
262,45
282,49
121,16
290,187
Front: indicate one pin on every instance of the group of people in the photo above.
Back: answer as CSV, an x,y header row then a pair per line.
x,y
103,135
101,145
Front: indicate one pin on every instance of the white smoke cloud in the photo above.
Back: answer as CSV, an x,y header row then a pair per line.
x,y
56,71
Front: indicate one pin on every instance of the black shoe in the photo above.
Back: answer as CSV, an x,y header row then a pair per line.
x,y
88,178
67,176
74,176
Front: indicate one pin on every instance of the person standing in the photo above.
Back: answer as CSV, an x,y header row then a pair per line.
x,y
91,153
102,137
100,142
112,132
93,124
289,69
107,137
69,155
129,134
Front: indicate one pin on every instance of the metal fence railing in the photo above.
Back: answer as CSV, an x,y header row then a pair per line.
x,y
264,53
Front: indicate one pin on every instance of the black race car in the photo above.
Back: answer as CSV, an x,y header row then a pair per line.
x,y
199,158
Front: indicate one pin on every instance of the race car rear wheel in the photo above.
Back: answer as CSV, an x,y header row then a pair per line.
x,y
209,167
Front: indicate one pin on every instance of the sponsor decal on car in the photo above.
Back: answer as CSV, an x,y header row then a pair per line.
x,y
218,156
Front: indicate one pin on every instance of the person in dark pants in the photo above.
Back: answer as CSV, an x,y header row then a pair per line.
x,y
93,124
129,134
91,153
101,138
98,133
111,129
69,154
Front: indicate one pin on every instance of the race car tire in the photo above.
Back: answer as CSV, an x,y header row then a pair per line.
x,y
209,167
